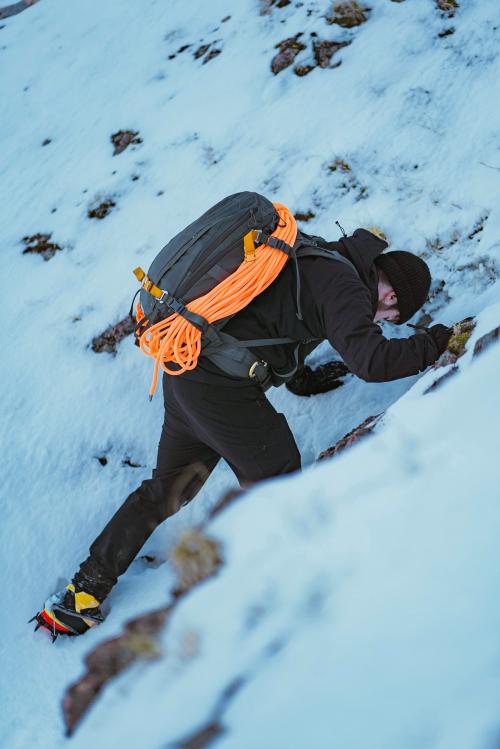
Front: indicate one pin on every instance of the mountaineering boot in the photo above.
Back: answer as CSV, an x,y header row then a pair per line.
x,y
69,612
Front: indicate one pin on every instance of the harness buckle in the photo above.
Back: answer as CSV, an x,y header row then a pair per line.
x,y
252,372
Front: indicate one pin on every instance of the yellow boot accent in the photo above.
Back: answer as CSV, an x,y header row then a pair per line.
x,y
85,601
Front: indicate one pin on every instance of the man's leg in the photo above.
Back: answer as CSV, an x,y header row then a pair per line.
x,y
183,465
240,425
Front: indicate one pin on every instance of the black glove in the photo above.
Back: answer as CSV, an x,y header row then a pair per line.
x,y
320,380
440,335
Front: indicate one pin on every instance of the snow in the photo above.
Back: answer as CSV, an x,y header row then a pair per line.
x,y
372,578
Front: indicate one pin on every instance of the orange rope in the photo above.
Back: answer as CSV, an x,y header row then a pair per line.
x,y
176,340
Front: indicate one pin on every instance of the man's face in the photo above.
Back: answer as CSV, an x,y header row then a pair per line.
x,y
387,300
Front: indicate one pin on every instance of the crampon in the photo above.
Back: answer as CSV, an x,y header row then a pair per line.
x,y
68,613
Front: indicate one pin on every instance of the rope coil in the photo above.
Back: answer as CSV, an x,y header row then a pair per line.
x,y
176,340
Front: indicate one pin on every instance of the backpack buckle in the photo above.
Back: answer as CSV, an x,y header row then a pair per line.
x,y
254,372
172,302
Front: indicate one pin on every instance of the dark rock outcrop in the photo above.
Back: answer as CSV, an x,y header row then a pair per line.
x,y
486,340
122,139
348,14
111,658
362,430
40,244
288,51
111,337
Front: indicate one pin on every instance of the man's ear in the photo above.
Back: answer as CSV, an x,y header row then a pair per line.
x,y
391,297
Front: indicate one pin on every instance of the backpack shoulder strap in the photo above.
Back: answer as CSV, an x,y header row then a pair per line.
x,y
314,249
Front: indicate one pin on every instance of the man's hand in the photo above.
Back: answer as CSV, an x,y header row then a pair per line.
x,y
321,380
440,335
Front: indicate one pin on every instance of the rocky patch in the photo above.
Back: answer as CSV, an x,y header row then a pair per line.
x,y
304,215
122,139
288,51
111,337
362,430
101,209
348,14
266,6
207,52
486,341
40,244
109,659
15,8
447,6
324,50
457,345
321,53
195,557
345,179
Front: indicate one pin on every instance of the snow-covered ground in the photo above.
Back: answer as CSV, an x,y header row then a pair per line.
x,y
374,575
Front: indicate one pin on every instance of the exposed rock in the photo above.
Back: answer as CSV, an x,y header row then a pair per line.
x,y
202,50
109,659
123,139
324,50
486,340
302,70
288,51
203,737
207,51
109,340
447,6
195,557
40,244
226,499
340,165
305,216
480,223
266,6
15,8
348,181
366,427
210,56
462,331
443,34
446,376
102,209
129,462
348,14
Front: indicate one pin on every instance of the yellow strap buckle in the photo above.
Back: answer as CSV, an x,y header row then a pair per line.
x,y
249,244
147,284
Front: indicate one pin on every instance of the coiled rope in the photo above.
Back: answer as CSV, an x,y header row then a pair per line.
x,y
176,340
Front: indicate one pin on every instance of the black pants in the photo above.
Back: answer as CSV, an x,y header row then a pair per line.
x,y
202,424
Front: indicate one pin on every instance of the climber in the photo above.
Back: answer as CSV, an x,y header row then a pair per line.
x,y
210,414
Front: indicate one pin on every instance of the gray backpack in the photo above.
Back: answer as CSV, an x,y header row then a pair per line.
x,y
201,256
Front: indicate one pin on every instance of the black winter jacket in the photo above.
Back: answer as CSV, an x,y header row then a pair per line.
x,y
338,304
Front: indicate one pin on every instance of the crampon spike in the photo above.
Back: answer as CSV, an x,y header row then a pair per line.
x,y
50,626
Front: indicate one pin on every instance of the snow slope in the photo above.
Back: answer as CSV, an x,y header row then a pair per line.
x,y
415,117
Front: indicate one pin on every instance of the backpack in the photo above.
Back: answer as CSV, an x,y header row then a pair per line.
x,y
207,273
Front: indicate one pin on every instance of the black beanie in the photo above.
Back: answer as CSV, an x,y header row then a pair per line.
x,y
410,278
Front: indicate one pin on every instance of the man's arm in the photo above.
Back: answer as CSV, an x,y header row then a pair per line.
x,y
347,315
